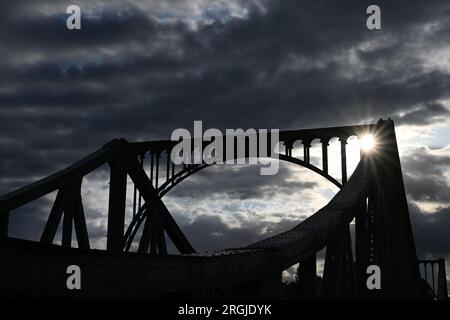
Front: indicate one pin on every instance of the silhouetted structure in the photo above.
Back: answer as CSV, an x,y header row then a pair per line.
x,y
374,196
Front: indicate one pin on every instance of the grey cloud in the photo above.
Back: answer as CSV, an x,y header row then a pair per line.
x,y
424,175
241,183
432,112
431,232
208,233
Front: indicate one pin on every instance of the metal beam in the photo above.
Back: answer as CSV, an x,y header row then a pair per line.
x,y
339,274
343,160
56,181
117,200
146,235
54,218
442,292
361,247
324,156
80,223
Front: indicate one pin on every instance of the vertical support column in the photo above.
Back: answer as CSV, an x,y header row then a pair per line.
x,y
54,218
339,274
141,161
324,155
308,149
4,224
442,293
307,278
343,160
306,146
117,201
394,243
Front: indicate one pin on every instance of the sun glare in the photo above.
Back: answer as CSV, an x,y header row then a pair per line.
x,y
367,143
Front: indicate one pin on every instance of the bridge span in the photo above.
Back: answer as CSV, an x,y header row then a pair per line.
x,y
373,196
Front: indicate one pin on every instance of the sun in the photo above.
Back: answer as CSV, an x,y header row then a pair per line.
x,y
367,143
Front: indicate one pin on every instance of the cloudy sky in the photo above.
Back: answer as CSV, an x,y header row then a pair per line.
x,y
140,69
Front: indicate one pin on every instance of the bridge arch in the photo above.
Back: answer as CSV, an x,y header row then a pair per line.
x,y
188,171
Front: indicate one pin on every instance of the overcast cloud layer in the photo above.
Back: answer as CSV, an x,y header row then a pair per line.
x,y
140,69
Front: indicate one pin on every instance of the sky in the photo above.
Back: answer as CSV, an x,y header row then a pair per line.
x,y
141,69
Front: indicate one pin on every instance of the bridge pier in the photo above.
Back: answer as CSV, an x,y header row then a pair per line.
x,y
288,148
308,278
158,157
339,277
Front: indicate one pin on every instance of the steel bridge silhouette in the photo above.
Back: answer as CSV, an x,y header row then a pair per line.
x,y
374,197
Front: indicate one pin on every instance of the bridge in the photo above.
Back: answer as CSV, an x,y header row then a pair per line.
x,y
136,262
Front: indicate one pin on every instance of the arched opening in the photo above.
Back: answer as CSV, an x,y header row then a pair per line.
x,y
226,206
95,195
316,153
334,159
353,154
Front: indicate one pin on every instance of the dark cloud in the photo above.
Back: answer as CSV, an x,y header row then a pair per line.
x,y
128,74
424,175
431,231
239,183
